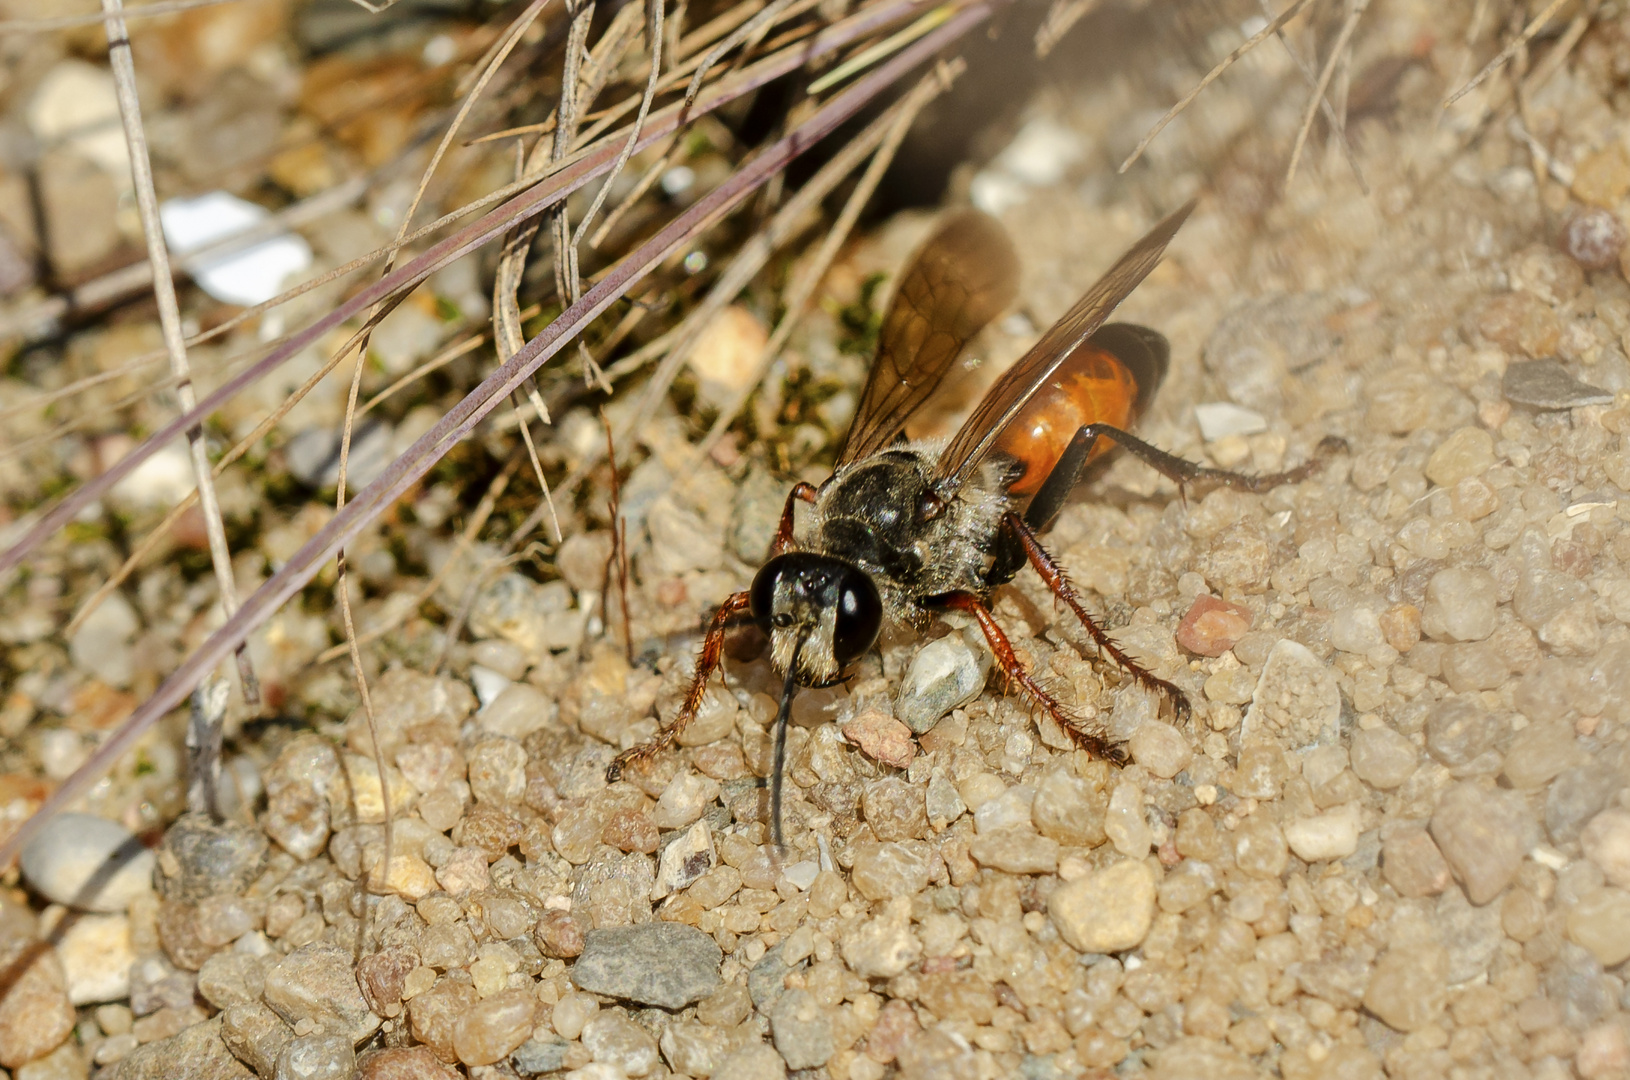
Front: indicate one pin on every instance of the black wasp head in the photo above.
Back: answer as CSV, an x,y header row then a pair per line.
x,y
819,608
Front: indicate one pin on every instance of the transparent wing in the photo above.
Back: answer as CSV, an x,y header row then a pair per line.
x,y
964,276
1008,395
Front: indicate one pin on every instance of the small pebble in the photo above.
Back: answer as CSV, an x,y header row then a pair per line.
x,y
1383,758
1331,835
755,1061
1125,823
197,1052
318,982
885,946
893,868
1220,419
403,1063
803,1030
255,1035
318,1056
1212,626
1411,863
1481,838
96,955
1467,452
1409,986
1460,605
537,1055
1546,384
617,1041
1160,748
1606,842
945,674
87,862
1594,237
1106,911
1296,698
881,737
658,963
1600,921
517,711
492,1028
35,1013
685,859
1015,849
683,800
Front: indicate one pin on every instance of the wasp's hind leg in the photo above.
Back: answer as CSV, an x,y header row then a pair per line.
x,y
706,664
1091,738
1019,534
1179,470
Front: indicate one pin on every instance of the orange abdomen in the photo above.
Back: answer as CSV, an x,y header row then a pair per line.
x,y
1090,387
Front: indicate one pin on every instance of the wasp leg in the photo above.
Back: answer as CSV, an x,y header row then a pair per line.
x,y
1090,738
706,664
1174,468
1059,583
783,535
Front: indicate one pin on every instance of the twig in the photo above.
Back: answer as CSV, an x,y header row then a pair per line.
x,y
406,470
1505,54
169,314
204,721
1211,76
1336,50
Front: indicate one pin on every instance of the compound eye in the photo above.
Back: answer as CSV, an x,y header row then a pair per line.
x,y
860,616
761,597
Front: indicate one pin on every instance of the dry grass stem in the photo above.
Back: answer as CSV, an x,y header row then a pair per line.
x,y
169,312
1273,27
1337,50
1500,60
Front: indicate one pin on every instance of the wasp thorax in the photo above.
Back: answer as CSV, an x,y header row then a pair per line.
x,y
829,605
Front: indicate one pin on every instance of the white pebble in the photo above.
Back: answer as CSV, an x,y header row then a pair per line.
x,y
79,854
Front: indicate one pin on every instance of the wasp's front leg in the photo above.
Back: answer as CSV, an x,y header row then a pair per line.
x,y
706,664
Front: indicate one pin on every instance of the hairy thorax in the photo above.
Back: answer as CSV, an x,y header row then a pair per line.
x,y
882,515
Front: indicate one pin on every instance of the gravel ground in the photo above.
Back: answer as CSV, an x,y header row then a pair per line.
x,y
1393,840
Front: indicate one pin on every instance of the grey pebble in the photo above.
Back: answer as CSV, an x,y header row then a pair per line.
x,y
156,983
1574,983
540,1056
767,980
802,1029
1576,796
230,978
87,862
943,675
1546,384
655,963
1471,934
200,858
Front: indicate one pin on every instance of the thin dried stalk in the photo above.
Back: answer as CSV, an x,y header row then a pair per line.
x,y
406,470
1505,54
1211,76
1336,51
169,316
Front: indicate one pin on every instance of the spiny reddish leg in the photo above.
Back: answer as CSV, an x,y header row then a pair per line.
x,y
801,491
1088,737
1059,583
706,664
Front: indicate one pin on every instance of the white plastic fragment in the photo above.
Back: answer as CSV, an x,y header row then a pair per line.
x,y
247,276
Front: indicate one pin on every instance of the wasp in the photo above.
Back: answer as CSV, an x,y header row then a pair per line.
x,y
904,531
